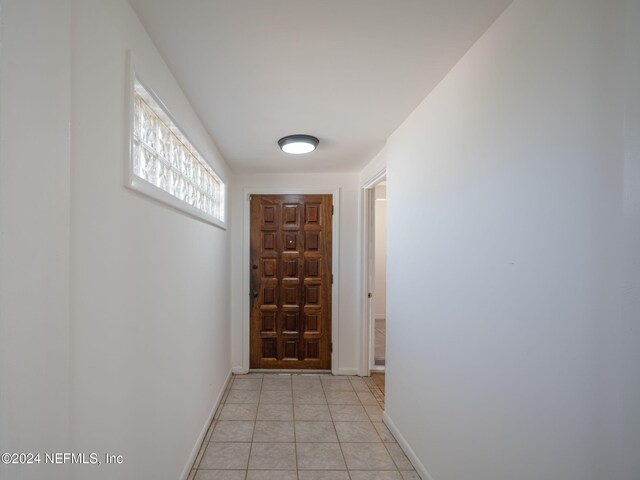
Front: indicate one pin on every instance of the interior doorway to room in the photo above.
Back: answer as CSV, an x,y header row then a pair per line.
x,y
380,276
290,281
375,271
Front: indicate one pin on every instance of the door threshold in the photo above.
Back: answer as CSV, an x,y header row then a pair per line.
x,y
299,371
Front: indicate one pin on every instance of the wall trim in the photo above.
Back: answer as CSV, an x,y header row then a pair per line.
x,y
411,455
335,267
375,177
381,316
346,371
367,270
194,452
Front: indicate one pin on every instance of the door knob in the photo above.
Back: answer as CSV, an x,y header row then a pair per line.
x,y
254,294
254,266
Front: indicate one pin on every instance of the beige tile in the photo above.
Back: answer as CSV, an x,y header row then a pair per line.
x,y
360,475
367,398
348,413
275,412
320,456
320,475
225,456
410,475
276,396
342,398
273,432
399,457
272,475
315,432
359,385
306,397
334,384
384,432
273,382
243,396
374,412
233,431
238,412
311,412
246,383
273,456
357,432
306,381
221,475
315,389
367,456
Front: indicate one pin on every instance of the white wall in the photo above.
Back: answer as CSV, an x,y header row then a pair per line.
x,y
115,308
34,232
380,256
348,325
373,169
150,295
513,260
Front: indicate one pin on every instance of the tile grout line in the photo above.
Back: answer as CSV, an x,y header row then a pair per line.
x,y
253,431
295,442
335,429
207,436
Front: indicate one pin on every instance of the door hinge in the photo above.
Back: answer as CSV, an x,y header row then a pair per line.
x,y
330,347
331,209
332,279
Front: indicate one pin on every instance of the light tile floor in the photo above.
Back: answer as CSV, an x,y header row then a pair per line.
x,y
301,427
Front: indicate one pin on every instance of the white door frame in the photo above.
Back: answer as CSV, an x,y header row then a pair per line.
x,y
367,260
335,264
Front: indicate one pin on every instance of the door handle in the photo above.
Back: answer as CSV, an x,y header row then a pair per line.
x,y
254,266
254,294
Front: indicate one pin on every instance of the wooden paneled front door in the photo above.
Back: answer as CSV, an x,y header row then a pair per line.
x,y
291,281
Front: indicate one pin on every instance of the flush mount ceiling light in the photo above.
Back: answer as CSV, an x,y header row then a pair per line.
x,y
298,144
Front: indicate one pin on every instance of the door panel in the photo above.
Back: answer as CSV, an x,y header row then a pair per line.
x,y
291,281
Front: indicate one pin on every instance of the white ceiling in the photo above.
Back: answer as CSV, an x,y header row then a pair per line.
x,y
346,71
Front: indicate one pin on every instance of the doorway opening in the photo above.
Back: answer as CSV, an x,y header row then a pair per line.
x,y
380,276
375,274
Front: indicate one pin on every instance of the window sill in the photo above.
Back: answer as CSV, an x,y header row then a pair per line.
x,y
140,185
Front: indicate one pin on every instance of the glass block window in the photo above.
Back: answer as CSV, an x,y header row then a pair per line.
x,y
164,157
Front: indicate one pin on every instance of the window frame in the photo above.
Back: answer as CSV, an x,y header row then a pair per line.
x,y
138,184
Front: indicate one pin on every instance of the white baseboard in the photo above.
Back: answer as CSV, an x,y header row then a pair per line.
x,y
411,455
196,449
238,370
346,371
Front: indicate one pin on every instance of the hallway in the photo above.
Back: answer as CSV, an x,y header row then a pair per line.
x,y
301,427
194,194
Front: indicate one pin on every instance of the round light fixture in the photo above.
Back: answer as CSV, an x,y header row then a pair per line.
x,y
298,144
